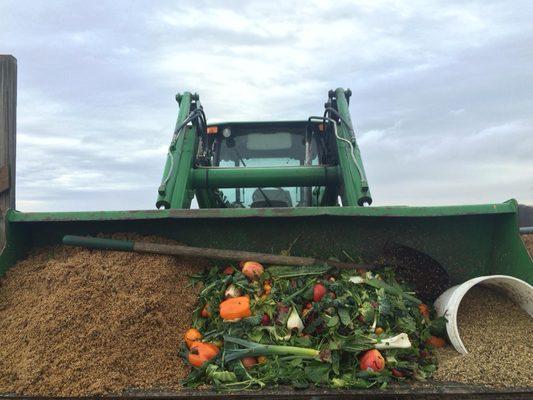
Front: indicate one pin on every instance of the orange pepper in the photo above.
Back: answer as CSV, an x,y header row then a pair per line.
x,y
192,335
236,307
201,353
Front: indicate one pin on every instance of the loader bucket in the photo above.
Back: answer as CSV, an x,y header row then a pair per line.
x,y
464,241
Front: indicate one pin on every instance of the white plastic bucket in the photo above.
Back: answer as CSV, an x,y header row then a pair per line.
x,y
448,302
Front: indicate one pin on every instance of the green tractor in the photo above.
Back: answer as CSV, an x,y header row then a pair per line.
x,y
292,185
264,164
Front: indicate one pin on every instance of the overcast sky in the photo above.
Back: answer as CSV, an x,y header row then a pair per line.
x,y
442,91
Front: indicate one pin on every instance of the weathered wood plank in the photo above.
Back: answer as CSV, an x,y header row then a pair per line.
x,y
4,178
8,124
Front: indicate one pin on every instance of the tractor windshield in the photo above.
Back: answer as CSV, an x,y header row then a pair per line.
x,y
266,146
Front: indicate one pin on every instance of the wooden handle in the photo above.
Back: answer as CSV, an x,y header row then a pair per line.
x,y
204,252
238,255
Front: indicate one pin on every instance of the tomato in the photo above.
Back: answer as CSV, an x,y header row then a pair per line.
x,y
319,291
252,270
372,359
436,341
228,270
205,312
249,362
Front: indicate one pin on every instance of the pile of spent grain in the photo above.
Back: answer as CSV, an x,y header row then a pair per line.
x,y
499,337
81,322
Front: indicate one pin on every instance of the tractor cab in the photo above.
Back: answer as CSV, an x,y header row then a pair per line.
x,y
267,145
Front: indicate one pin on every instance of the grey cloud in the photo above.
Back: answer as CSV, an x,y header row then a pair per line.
x,y
441,98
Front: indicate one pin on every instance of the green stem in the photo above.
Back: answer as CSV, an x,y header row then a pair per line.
x,y
302,290
252,349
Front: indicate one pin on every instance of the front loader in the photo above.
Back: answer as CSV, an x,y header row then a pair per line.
x,y
297,186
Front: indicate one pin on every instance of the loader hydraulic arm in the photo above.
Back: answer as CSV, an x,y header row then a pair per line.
x,y
355,184
175,190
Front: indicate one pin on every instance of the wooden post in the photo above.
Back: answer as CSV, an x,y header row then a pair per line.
x,y
8,126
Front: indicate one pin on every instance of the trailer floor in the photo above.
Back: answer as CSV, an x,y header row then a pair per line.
x,y
426,391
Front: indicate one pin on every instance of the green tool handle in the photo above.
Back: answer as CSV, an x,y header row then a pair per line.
x,y
217,254
98,243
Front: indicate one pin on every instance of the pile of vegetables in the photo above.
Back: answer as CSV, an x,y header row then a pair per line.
x,y
308,325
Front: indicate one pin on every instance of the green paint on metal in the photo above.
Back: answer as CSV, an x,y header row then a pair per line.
x,y
355,185
183,191
170,171
509,207
264,177
98,243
